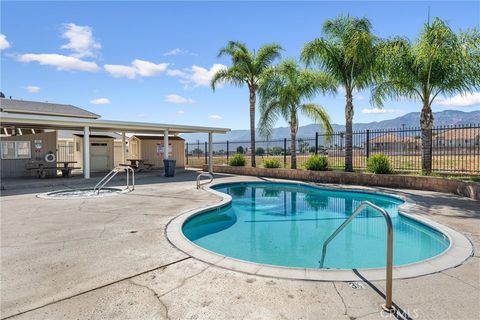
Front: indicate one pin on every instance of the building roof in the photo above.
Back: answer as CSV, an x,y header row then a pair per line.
x,y
97,125
393,138
458,134
160,137
44,108
67,134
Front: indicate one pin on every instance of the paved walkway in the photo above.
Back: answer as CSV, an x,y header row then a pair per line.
x,y
109,258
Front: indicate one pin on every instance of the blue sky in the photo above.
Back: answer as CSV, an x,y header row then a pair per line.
x,y
152,61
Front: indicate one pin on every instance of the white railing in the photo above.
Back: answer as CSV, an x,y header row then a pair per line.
x,y
389,267
204,174
129,170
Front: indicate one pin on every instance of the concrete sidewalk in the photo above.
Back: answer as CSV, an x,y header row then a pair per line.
x,y
109,258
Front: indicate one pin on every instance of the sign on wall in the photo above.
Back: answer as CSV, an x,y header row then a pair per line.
x,y
160,149
38,145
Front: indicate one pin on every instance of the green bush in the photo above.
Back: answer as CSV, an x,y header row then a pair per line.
x,y
379,163
317,163
237,160
271,163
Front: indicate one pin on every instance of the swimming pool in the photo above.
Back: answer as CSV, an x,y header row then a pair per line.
x,y
285,224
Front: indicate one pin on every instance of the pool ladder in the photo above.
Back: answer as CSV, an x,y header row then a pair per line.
x,y
389,269
99,186
204,174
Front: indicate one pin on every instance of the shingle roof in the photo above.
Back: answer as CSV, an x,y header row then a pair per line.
x,y
458,134
44,108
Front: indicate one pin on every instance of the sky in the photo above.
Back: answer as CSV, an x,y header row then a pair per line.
x,y
152,61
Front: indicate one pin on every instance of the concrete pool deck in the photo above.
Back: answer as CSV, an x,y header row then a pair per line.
x,y
109,258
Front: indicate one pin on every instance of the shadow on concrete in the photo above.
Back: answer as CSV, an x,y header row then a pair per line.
x,y
398,313
21,186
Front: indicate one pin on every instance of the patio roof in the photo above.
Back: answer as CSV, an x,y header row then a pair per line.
x,y
71,123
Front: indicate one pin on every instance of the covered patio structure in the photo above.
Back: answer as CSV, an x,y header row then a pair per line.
x,y
47,122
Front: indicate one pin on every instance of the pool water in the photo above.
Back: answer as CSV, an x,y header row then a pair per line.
x,y
286,224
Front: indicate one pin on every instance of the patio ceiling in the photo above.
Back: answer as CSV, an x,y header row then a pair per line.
x,y
70,123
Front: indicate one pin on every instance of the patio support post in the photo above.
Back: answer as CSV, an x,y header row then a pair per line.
x,y
124,149
165,145
210,152
86,152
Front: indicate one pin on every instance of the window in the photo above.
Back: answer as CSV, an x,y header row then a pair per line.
x,y
16,149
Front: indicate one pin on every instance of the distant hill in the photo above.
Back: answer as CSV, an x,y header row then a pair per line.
x,y
412,119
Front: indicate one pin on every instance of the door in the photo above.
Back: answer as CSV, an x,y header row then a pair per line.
x,y
99,156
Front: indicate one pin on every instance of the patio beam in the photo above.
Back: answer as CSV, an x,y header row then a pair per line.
x,y
86,152
165,145
124,149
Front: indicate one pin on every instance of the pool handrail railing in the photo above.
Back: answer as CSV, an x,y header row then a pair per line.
x,y
388,306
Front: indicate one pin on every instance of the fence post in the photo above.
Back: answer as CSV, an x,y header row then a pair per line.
x,y
368,144
228,150
186,152
284,152
316,143
206,153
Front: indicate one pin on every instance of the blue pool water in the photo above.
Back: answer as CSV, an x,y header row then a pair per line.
x,y
286,224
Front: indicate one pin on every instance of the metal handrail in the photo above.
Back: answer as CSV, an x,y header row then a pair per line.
x,y
389,268
112,174
207,174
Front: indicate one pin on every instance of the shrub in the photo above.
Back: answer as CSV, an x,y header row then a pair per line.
x,y
271,163
379,163
317,163
240,150
237,160
260,151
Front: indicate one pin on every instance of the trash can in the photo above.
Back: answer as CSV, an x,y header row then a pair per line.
x,y
169,166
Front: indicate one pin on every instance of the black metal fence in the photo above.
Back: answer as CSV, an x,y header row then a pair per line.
x,y
455,149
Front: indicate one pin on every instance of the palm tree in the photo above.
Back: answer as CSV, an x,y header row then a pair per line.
x,y
282,92
346,53
247,69
439,62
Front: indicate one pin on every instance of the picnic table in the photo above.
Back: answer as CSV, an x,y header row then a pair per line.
x,y
140,165
42,168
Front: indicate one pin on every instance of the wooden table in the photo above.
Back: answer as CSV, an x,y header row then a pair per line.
x,y
140,164
42,168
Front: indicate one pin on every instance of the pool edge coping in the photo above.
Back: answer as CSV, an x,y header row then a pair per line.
x,y
460,247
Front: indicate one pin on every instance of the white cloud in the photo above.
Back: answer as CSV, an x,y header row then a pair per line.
x,y
4,44
202,76
175,52
173,98
140,115
32,89
467,100
80,41
180,112
118,70
100,101
379,111
198,76
215,117
359,97
138,67
62,62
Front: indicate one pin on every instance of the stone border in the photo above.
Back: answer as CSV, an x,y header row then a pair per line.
x,y
459,250
457,187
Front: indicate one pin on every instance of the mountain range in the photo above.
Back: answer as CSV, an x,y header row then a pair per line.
x,y
409,120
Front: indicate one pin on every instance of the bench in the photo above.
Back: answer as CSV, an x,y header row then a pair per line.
x,y
42,169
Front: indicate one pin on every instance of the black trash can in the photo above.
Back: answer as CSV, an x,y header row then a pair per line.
x,y
169,166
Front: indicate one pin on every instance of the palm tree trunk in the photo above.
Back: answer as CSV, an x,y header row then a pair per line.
x,y
253,99
426,124
349,132
293,145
